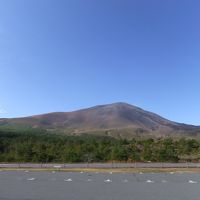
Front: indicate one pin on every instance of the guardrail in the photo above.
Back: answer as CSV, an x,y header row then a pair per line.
x,y
100,165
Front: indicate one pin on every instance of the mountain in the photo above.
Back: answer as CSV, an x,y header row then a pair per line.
x,y
118,119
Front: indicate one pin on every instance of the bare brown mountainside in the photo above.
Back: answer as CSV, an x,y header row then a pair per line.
x,y
113,119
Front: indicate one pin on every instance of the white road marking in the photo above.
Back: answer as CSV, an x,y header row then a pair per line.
x,y
191,181
149,181
68,180
30,179
107,181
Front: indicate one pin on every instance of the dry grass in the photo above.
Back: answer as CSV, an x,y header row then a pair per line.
x,y
114,170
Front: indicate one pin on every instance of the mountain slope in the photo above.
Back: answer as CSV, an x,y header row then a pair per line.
x,y
110,119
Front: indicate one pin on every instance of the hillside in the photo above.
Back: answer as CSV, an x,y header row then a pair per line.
x,y
118,119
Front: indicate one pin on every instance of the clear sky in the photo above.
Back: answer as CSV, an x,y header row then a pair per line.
x,y
63,55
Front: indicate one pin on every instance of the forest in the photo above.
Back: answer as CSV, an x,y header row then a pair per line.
x,y
42,147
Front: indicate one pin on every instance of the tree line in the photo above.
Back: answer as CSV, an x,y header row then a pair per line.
x,y
41,147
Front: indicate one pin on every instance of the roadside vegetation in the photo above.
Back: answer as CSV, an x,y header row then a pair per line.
x,y
38,146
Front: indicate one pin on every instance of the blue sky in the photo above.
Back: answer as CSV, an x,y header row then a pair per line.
x,y
63,55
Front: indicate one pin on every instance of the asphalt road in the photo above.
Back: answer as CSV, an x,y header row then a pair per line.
x,y
50,185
